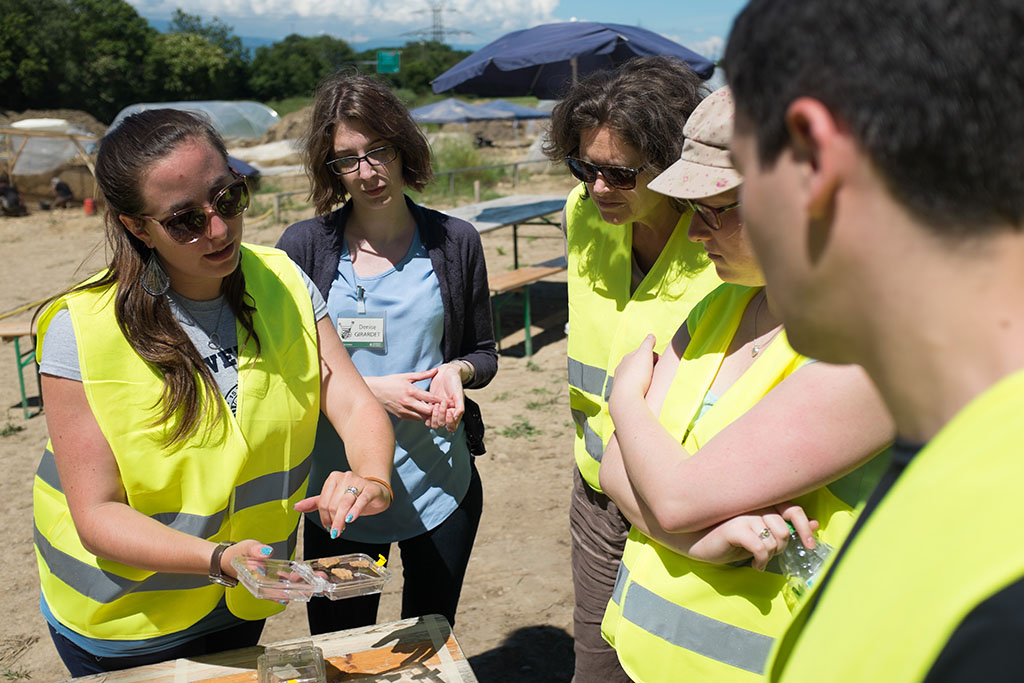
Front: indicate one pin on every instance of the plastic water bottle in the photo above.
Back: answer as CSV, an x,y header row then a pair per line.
x,y
801,567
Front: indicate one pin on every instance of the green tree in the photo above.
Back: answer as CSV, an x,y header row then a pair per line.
x,y
234,76
106,42
29,58
421,62
184,66
295,65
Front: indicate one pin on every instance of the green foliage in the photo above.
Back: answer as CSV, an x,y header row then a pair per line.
x,y
184,66
520,429
10,429
101,55
295,65
421,62
289,104
107,43
231,79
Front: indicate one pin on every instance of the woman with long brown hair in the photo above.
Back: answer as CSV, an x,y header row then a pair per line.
x,y
182,388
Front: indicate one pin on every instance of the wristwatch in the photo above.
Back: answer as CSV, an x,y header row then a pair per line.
x,y
216,575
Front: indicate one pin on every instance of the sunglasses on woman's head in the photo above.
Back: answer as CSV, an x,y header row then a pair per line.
x,y
188,225
618,177
711,216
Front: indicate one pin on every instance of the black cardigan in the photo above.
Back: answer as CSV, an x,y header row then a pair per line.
x,y
457,257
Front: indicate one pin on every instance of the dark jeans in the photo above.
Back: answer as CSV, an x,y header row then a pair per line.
x,y
82,663
433,567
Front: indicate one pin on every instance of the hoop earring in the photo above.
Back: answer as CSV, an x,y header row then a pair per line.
x,y
154,279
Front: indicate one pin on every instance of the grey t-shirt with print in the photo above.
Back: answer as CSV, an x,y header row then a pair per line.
x,y
199,319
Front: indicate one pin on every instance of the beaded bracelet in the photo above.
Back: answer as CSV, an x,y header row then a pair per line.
x,y
391,494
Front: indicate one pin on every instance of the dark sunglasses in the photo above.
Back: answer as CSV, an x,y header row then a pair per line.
x,y
188,225
618,177
375,157
711,216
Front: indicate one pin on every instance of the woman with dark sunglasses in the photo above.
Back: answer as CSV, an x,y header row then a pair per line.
x,y
631,270
406,288
728,437
183,386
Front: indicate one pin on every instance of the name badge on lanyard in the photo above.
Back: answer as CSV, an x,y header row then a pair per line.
x,y
366,330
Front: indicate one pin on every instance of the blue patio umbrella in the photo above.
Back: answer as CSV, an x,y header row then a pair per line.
x,y
546,60
454,111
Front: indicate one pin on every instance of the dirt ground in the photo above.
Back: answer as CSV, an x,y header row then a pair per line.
x,y
515,617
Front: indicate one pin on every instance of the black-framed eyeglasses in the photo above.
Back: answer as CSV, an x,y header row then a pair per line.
x,y
375,157
618,177
188,225
711,216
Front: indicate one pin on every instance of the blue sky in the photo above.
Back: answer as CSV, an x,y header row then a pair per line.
x,y
701,25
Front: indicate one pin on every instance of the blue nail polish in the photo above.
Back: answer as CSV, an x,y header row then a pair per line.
x,y
266,550
334,533
349,518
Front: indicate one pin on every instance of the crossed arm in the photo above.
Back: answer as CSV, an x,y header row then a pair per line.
x,y
818,424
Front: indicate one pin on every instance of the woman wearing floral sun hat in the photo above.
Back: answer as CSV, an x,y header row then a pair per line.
x,y
720,442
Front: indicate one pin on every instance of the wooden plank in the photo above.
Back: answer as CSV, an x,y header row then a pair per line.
x,y
10,329
410,650
516,279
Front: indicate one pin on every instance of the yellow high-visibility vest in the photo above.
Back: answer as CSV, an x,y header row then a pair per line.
x,y
238,478
941,542
606,322
672,618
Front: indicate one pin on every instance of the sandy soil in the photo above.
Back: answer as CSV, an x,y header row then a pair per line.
x,y
515,617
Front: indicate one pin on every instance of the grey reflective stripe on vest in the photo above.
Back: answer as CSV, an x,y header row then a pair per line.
x,y
608,389
586,377
103,586
591,441
267,488
272,486
620,582
47,471
106,587
698,633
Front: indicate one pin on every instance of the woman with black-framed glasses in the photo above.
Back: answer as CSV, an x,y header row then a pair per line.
x,y
183,387
406,288
631,270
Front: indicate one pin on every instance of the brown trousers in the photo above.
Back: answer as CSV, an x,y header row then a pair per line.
x,y
598,533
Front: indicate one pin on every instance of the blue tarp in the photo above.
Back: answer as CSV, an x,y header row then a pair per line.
x,y
539,61
454,111
520,111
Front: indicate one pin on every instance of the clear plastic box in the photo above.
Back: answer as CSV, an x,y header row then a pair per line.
x,y
338,577
296,664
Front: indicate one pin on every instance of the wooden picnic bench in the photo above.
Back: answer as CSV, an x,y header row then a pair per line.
x,y
514,210
13,331
511,282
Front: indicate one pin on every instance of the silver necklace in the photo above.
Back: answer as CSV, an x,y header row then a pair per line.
x,y
214,336
758,347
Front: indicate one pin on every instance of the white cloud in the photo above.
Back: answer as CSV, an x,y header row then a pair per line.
x,y
711,48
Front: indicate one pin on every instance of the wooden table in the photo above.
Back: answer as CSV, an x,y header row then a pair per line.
x,y
514,210
14,330
421,649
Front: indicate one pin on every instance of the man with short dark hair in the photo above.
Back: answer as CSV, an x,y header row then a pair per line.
x,y
882,145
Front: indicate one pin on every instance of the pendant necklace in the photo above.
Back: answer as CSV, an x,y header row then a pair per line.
x,y
214,342
757,347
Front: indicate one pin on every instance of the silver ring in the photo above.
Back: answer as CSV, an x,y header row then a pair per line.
x,y
765,533
355,492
